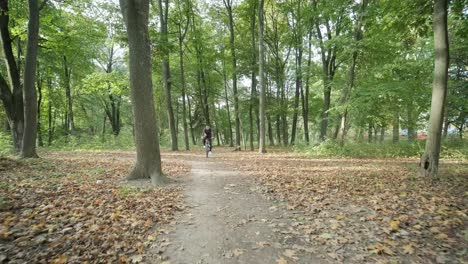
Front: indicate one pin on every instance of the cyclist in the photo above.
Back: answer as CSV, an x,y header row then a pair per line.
x,y
207,135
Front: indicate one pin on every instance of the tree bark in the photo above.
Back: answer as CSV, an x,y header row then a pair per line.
x,y
166,72
228,6
253,77
305,94
261,51
148,162
182,80
396,128
298,39
11,94
70,116
231,143
39,103
192,132
28,147
430,159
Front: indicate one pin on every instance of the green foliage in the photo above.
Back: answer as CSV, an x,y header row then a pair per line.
x,y
85,141
451,149
5,144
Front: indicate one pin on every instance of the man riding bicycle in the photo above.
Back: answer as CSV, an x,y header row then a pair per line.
x,y
207,135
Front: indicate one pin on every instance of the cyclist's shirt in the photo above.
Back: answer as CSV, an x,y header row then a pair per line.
x,y
207,132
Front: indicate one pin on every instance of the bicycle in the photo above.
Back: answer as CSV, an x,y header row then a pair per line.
x,y
207,146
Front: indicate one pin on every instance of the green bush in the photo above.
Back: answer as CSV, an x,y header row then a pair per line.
x,y
5,144
451,149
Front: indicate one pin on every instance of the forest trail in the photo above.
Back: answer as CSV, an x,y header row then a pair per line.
x,y
229,221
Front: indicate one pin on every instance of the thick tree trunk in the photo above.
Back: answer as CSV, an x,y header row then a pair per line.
x,y
28,147
148,163
12,94
166,72
430,159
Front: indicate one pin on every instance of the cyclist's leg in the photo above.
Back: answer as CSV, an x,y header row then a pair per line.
x,y
211,143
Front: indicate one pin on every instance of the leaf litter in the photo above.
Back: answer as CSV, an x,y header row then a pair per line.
x,y
368,210
77,208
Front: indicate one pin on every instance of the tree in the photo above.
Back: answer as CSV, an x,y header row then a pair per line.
x,y
12,93
163,15
228,5
148,163
28,146
182,31
430,159
261,51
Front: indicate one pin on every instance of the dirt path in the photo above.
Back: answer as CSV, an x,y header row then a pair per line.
x,y
229,221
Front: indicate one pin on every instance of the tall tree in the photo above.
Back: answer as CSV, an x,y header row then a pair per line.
x,y
228,5
28,147
430,159
148,163
297,32
11,93
357,37
182,31
253,77
261,73
163,15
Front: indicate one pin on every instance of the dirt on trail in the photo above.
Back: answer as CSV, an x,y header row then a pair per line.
x,y
228,221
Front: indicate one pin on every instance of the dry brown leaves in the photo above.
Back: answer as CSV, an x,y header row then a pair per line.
x,y
74,208
360,210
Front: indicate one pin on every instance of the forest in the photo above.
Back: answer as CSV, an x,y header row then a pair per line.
x,y
347,117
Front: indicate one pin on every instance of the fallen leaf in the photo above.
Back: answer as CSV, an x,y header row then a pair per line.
x,y
394,225
281,260
237,252
408,249
290,253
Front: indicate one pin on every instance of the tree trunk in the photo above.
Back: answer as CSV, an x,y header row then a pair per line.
x,y
369,132
28,147
49,114
382,134
166,73
271,137
231,143
396,128
305,94
253,92
182,81
298,90
261,51
430,159
39,103
192,132
148,163
228,3
411,122
12,94
70,117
